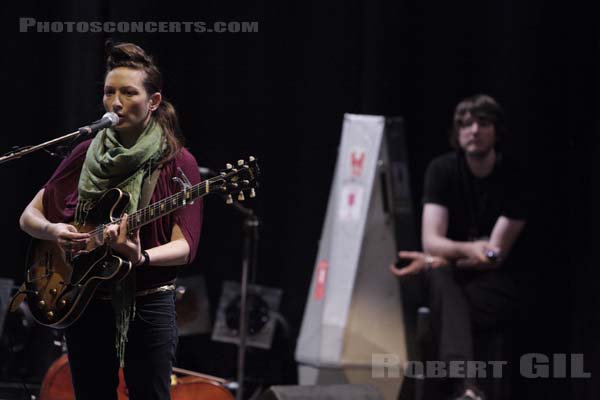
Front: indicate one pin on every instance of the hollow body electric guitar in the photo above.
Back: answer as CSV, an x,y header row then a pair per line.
x,y
59,285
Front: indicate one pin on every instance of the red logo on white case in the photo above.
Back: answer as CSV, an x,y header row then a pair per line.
x,y
322,267
357,159
351,198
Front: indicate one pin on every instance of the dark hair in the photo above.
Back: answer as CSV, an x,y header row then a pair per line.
x,y
479,106
132,56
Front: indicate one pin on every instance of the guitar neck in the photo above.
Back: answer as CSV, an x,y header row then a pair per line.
x,y
221,183
167,205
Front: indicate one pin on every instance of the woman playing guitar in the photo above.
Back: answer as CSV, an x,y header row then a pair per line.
x,y
130,320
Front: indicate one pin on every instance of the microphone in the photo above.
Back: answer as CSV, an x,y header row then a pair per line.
x,y
107,120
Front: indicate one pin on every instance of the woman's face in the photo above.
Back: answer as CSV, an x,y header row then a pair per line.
x,y
125,95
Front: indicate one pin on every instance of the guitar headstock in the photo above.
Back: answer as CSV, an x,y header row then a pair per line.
x,y
240,179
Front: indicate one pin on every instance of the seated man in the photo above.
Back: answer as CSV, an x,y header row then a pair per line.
x,y
473,212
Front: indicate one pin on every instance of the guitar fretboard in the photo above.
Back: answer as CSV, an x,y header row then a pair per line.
x,y
168,205
180,199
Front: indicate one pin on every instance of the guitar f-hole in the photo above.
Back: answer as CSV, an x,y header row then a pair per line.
x,y
48,263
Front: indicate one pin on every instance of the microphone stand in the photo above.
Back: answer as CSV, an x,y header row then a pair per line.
x,y
250,246
250,229
20,152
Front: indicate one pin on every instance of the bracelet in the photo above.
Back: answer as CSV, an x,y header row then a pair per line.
x,y
428,262
146,261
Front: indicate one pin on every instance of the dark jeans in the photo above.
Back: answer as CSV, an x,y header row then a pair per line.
x,y
468,306
149,353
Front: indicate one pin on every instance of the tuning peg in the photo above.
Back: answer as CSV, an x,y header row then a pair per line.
x,y
223,189
240,163
223,173
251,158
41,304
252,193
241,196
246,182
228,166
234,185
229,199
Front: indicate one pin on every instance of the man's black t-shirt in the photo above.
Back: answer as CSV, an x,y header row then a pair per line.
x,y
474,204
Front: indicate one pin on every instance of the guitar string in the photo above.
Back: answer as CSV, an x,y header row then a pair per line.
x,y
171,199
156,206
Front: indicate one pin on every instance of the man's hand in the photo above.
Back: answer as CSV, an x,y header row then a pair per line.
x,y
419,262
477,255
126,245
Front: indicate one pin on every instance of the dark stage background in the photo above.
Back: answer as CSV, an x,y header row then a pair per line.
x,y
280,95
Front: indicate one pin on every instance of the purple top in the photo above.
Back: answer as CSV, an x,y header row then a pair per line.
x,y
60,201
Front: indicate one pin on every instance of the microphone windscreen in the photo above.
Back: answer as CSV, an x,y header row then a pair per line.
x,y
114,118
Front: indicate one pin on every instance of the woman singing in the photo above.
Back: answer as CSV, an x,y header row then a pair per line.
x,y
132,322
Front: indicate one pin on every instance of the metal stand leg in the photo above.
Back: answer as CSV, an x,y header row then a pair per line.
x,y
249,261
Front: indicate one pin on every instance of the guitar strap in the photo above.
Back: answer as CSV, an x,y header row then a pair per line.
x,y
147,190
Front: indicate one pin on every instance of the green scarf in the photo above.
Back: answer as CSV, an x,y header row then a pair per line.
x,y
109,165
